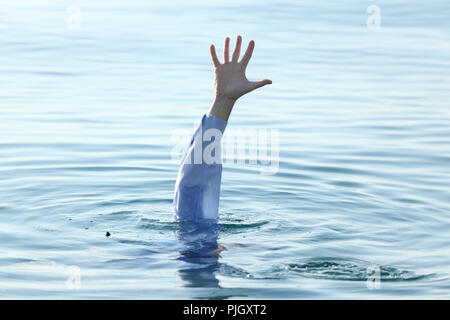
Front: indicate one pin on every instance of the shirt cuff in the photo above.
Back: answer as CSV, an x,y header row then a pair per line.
x,y
210,121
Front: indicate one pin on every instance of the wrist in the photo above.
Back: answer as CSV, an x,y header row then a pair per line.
x,y
224,102
222,107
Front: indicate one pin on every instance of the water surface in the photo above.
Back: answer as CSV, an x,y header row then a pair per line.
x,y
87,117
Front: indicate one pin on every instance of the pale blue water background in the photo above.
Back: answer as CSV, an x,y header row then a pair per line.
x,y
364,174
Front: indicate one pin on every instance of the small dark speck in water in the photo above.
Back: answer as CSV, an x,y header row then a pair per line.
x,y
108,234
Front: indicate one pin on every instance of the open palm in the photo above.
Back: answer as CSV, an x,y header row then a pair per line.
x,y
230,79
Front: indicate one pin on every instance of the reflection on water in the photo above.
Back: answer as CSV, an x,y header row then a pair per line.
x,y
200,250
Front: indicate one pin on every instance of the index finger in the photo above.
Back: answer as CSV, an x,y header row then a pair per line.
x,y
248,53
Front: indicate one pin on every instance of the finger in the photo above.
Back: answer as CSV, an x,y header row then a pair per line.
x,y
237,49
258,84
248,53
212,49
226,50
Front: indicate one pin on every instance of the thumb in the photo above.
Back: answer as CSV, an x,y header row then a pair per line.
x,y
258,84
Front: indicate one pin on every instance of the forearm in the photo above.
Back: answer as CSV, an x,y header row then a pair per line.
x,y
222,107
197,189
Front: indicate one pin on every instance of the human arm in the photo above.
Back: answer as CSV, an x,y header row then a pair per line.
x,y
197,189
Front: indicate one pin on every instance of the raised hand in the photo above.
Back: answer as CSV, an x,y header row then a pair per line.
x,y
230,79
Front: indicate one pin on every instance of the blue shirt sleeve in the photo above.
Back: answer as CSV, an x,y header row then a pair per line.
x,y
197,189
